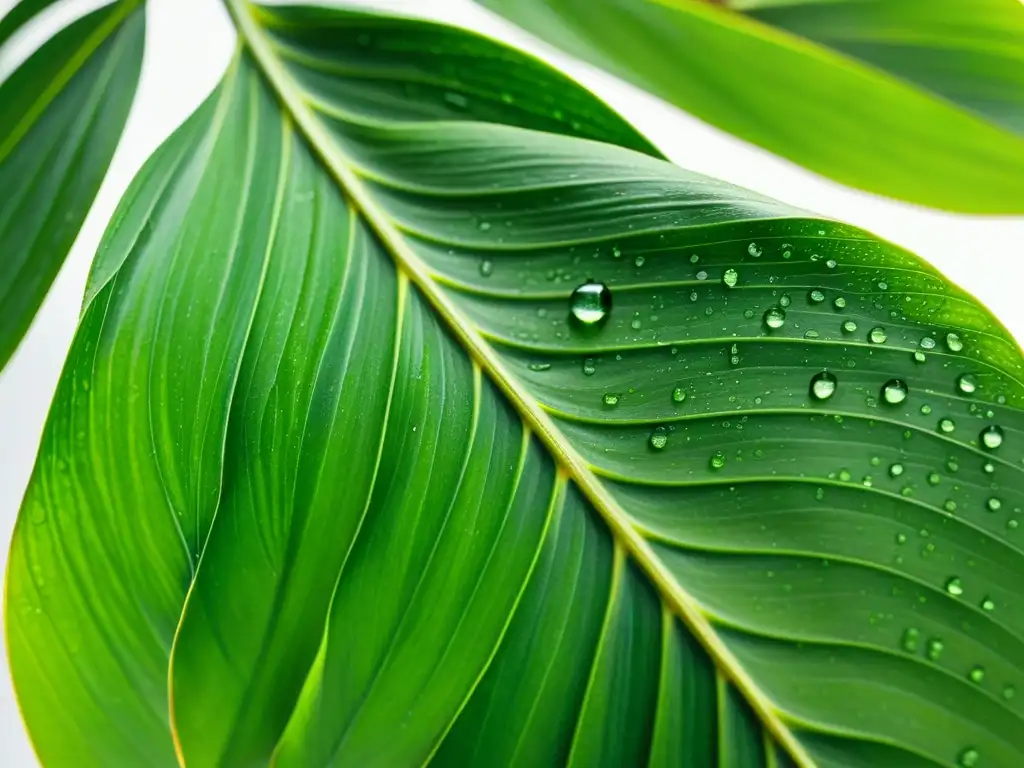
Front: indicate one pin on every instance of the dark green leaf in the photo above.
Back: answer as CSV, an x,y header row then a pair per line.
x,y
923,101
329,357
63,112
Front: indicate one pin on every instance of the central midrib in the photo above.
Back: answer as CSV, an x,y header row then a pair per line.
x,y
339,166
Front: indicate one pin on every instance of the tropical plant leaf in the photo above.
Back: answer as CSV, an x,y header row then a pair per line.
x,y
923,101
63,113
328,383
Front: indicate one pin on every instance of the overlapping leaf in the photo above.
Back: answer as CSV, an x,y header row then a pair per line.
x,y
923,101
61,116
328,384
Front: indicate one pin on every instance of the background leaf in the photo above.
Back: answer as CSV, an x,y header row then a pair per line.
x,y
505,537
919,101
64,110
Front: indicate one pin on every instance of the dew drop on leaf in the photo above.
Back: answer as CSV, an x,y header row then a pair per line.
x,y
730,277
927,343
678,395
967,384
988,604
774,318
934,478
896,470
639,261
823,385
877,335
953,342
486,267
659,438
589,368
590,303
784,300
754,250
969,758
909,641
977,674
702,275
839,303
816,296
849,326
717,460
1009,692
994,504
919,356
926,409
954,587
946,426
992,437
935,647
610,399
895,391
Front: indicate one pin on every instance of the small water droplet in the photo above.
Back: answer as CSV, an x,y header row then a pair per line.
x,y
717,460
484,226
954,587
877,335
784,300
927,343
967,384
994,504
1009,692
540,366
977,674
895,391
635,323
590,303
896,470
839,303
849,326
954,342
754,250
659,438
919,356
831,264
787,251
969,758
882,285
639,261
845,476
988,604
730,277
823,385
702,275
816,296
678,395
934,478
992,437
947,426
988,467
610,399
486,268
901,538
910,638
949,506
935,648
926,409
774,318
694,258
616,252
589,367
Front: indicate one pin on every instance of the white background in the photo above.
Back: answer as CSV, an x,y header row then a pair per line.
x,y
188,45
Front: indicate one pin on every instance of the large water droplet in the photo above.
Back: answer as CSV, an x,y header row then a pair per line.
x,y
895,391
877,335
967,384
659,438
717,460
992,437
954,587
823,385
729,277
590,303
774,318
678,395
953,342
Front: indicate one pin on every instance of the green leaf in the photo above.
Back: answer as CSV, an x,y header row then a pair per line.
x,y
329,425
63,113
919,101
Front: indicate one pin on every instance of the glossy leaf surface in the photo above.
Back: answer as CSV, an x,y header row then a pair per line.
x,y
330,386
61,116
923,101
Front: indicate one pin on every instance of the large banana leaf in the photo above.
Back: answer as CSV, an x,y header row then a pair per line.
x,y
922,100
61,116
416,416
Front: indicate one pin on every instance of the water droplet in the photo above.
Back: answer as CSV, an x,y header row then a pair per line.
x,y
774,318
919,356
954,587
1009,692
949,506
909,641
456,100
589,367
616,252
812,334
694,258
934,478
678,395
702,275
896,470
845,476
967,384
926,409
947,426
817,296
969,758
935,647
877,335
540,366
639,261
784,300
901,538
590,303
635,322
977,674
610,399
839,303
882,285
717,460
730,277
988,604
849,326
754,250
992,437
659,438
787,250
927,343
953,342
486,268
823,385
988,467
895,391
484,226
994,504
831,264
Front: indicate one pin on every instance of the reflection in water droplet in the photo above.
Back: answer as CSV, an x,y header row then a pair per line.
x,y
730,277
946,425
823,385
774,318
590,303
977,674
659,438
953,342
877,335
610,398
969,758
967,384
909,641
817,296
994,504
954,587
717,460
678,395
992,437
754,250
895,391
935,647
896,470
